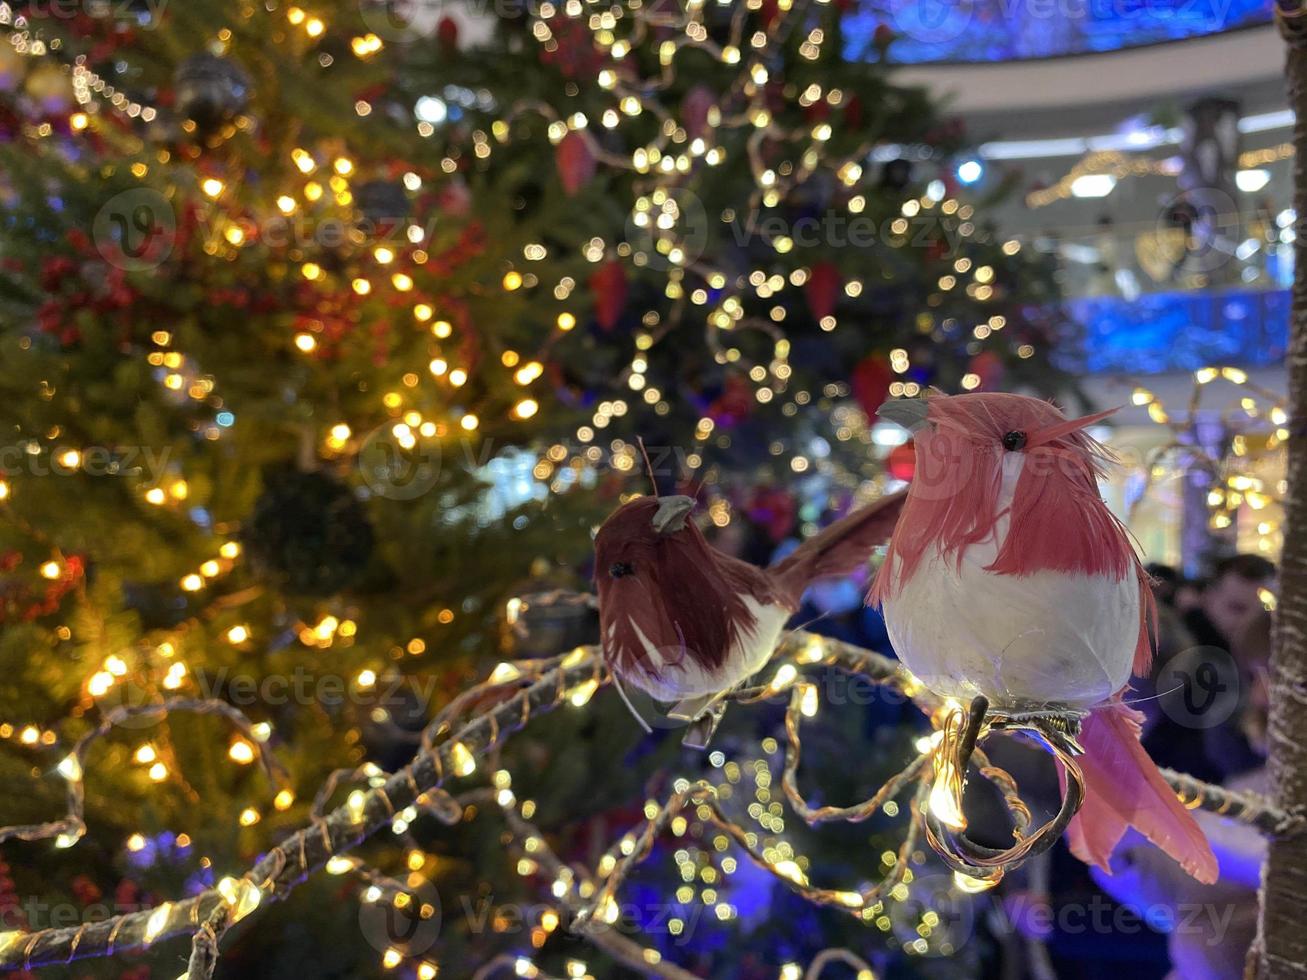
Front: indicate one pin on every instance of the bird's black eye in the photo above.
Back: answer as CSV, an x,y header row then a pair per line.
x,y
620,569
1014,440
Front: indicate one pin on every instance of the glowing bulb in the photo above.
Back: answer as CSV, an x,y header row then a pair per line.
x,y
464,763
241,752
51,570
155,924
944,804
212,186
974,886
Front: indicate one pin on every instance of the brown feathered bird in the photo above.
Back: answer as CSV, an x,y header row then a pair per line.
x,y
685,622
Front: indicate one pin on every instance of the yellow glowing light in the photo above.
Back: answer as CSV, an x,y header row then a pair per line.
x,y
462,760
241,894
306,342
973,886
4,490
808,701
791,870
241,752
136,842
285,204
158,772
944,804
192,583
566,321
99,684
313,191
438,366
402,282
238,634
528,372
469,422
155,924
51,570
526,408
70,458
234,235
582,693
212,186
310,270
70,768
78,121
146,754
392,958
427,971
442,329
341,864
283,799
249,817
512,280
383,255
362,286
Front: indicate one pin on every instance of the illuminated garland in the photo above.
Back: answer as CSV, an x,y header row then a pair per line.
x,y
529,688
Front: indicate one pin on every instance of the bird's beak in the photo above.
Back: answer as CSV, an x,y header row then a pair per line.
x,y
907,412
671,513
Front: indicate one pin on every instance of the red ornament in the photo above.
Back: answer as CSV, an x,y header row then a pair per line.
x,y
447,33
576,162
823,289
609,286
901,463
695,108
871,380
989,367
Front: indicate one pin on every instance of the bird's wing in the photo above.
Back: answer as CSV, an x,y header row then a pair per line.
x,y
839,549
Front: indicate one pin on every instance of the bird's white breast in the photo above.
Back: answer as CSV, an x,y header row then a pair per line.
x,y
1049,638
678,677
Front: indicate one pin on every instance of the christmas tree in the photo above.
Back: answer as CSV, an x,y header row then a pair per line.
x,y
327,336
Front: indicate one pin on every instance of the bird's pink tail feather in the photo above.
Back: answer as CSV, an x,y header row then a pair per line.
x,y
1124,788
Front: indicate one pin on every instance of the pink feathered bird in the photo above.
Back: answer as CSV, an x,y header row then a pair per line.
x,y
1007,576
681,620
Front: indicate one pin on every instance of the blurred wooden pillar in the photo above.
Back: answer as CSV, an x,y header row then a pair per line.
x,y
1281,948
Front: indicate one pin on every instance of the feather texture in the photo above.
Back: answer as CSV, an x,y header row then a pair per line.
x,y
1124,788
838,549
1006,490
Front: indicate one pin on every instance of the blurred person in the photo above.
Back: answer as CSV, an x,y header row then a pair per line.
x,y
1166,580
1188,594
1231,601
1210,927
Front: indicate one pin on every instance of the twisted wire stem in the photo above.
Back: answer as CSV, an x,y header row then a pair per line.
x,y
504,706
